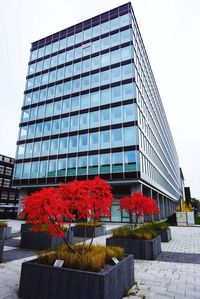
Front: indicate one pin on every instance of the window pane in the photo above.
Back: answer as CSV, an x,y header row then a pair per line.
x,y
73,144
116,94
116,115
117,137
63,146
34,170
84,121
94,141
71,167
83,142
64,125
117,162
105,163
54,147
105,139
129,136
61,167
43,169
93,164
105,117
82,165
52,168
130,161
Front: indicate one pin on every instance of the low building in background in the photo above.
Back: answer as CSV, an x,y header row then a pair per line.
x,y
9,195
92,108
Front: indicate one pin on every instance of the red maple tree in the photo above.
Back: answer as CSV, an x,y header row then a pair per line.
x,y
138,205
55,207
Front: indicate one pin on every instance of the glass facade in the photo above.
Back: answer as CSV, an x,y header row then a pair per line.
x,y
91,107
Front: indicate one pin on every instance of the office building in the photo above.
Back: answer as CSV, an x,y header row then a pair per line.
x,y
92,107
8,194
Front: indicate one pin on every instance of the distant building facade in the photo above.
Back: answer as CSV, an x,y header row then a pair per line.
x,y
8,194
92,108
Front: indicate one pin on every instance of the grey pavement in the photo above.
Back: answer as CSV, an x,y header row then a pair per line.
x,y
175,273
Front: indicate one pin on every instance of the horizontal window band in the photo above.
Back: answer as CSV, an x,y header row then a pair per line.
x,y
84,43
81,154
81,111
81,75
65,179
80,132
87,91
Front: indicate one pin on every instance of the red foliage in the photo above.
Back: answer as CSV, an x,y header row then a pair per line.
x,y
139,205
89,198
54,207
45,207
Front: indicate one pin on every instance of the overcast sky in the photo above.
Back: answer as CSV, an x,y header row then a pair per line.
x,y
171,34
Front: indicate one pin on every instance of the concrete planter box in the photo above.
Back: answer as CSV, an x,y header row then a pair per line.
x,y
80,231
5,232
1,250
185,218
165,235
40,241
141,249
25,227
48,282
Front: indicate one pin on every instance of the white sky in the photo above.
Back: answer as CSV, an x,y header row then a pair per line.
x,y
171,34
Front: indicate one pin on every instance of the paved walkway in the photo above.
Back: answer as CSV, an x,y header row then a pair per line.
x,y
175,273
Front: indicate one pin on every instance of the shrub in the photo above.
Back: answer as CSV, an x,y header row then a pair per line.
x,y
94,259
89,224
160,226
3,224
143,233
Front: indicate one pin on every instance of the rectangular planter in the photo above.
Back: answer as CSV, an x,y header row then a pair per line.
x,y
5,232
80,231
25,227
165,235
190,218
141,249
1,250
47,282
181,218
40,241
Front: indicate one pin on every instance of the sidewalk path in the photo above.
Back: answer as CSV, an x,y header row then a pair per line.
x,y
175,273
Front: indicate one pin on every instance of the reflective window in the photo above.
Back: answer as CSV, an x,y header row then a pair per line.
x,y
18,170
116,74
57,108
49,110
45,148
31,131
127,71
84,121
105,96
52,168
73,144
53,147
105,139
83,142
29,148
94,119
85,101
117,137
26,170
71,167
64,125
95,99
66,106
105,163
116,94
34,170
116,115
61,171
117,162
105,117
75,103
40,113
21,150
82,165
130,161
115,39
36,149
74,123
129,112
38,130
63,146
94,140
93,164
47,128
56,126
129,136
43,169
